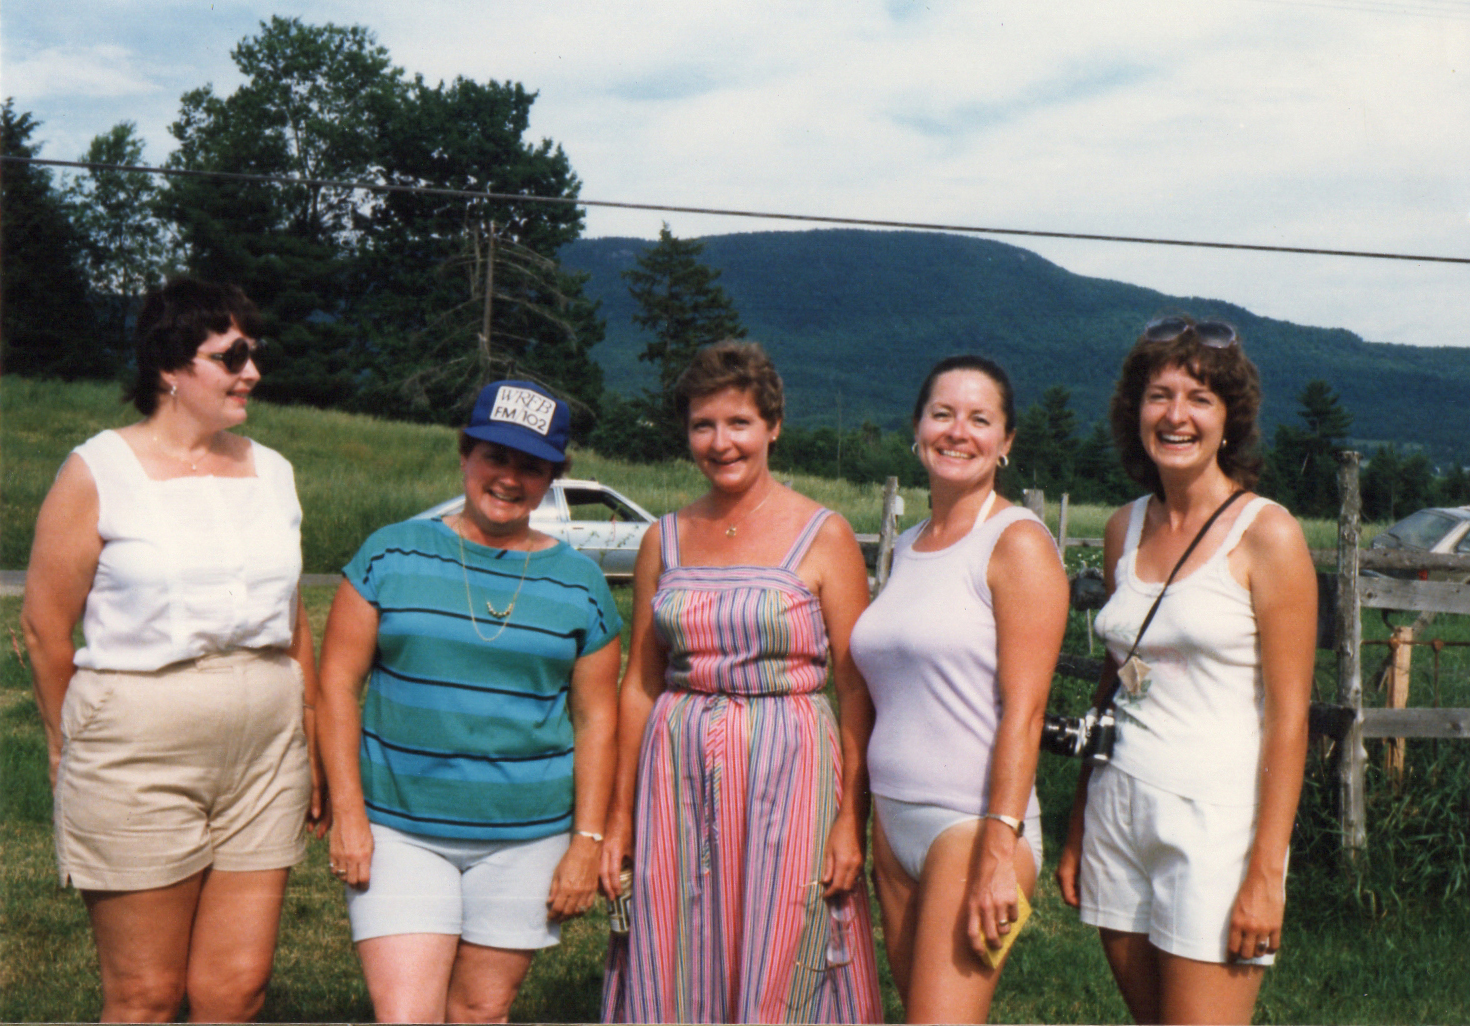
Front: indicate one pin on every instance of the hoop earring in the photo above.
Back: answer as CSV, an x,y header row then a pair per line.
x,y
1004,461
914,448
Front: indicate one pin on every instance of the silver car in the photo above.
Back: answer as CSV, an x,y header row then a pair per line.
x,y
592,518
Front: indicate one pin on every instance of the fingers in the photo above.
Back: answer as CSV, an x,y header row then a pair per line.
x,y
1066,877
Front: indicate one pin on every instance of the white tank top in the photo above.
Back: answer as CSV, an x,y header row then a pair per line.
x,y
1194,728
926,647
191,565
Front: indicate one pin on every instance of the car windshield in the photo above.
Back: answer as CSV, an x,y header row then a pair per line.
x,y
593,504
1418,531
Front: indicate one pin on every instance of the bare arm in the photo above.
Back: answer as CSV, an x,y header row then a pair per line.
x,y
1029,592
642,683
319,815
348,645
63,563
594,708
1071,858
1283,591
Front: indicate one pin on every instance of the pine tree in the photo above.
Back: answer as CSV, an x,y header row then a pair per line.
x,y
1302,466
680,302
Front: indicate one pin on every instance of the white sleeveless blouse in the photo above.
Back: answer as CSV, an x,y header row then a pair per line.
x,y
1194,728
191,565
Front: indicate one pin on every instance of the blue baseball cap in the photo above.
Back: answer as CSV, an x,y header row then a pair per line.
x,y
522,415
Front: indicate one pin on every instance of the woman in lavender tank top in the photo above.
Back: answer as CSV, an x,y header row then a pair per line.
x,y
958,652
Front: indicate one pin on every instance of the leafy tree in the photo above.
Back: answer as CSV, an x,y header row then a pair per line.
x,y
48,328
312,106
128,249
1301,471
680,301
1454,487
1099,475
425,315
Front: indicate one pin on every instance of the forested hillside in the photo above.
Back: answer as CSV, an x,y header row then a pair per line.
x,y
855,318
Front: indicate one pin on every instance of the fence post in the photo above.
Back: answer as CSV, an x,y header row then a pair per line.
x,y
1035,500
1401,646
887,530
1352,757
1062,524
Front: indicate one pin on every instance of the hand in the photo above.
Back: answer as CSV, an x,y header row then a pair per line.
x,y
617,849
1069,867
1255,919
992,900
574,884
350,852
319,812
842,862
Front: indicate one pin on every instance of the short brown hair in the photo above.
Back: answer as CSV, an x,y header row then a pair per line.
x,y
732,363
1227,372
174,322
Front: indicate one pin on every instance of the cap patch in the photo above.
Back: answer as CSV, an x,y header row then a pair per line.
x,y
523,407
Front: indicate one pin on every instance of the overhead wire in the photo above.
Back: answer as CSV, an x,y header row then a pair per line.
x,y
866,222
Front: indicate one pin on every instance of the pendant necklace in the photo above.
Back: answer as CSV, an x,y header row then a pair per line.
x,y
504,617
730,531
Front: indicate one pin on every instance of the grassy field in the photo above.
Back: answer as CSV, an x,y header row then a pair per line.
x,y
1374,944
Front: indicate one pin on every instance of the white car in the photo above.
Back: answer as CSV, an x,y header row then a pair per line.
x,y
592,518
1444,529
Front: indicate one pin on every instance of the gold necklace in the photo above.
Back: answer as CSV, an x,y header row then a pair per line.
x,y
158,444
470,603
730,531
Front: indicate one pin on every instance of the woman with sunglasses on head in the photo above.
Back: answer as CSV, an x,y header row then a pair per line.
x,y
958,651
179,734
741,801
1177,848
470,786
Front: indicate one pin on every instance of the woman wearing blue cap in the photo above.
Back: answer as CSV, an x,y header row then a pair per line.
x,y
470,787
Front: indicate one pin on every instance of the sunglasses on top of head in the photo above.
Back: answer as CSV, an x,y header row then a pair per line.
x,y
1215,334
235,357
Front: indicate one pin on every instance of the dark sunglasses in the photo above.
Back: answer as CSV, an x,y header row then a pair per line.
x,y
235,357
1215,334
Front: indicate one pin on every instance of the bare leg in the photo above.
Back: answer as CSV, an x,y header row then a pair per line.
x,y
898,903
948,982
485,982
1207,992
408,975
143,948
1135,965
234,943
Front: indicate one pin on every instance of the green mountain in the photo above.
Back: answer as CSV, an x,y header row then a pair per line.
x,y
855,318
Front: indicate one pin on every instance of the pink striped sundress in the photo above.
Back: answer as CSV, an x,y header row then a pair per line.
x,y
738,783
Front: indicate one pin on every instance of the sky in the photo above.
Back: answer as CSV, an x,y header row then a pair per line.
x,y
1331,124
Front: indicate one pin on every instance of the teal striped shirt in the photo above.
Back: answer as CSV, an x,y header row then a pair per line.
x,y
462,737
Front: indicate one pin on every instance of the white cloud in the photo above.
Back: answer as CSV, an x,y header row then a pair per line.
x,y
94,71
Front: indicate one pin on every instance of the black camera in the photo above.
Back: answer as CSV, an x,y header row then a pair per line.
x,y
1089,736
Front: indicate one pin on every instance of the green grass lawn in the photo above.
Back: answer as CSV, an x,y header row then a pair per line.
x,y
1378,943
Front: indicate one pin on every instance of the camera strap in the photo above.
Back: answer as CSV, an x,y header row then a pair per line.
x,y
1128,660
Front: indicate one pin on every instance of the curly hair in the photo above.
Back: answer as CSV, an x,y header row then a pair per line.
x,y
732,363
1227,372
172,325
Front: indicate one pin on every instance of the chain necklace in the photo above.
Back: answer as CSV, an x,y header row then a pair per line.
x,y
469,602
730,531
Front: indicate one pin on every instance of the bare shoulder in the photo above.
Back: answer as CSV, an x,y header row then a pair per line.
x,y
1117,526
1025,540
1275,534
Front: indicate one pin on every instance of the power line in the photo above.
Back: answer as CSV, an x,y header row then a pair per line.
x,y
763,215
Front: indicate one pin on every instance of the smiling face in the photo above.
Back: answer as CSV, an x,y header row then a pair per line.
x,y
1181,421
207,390
502,486
961,432
729,439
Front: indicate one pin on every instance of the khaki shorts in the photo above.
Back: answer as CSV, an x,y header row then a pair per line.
x,y
202,763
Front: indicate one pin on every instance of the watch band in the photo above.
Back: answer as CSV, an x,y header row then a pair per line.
x,y
1011,821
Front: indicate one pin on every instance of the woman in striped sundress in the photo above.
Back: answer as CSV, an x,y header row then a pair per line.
x,y
740,800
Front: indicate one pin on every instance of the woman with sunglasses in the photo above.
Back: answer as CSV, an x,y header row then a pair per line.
x,y
179,734
1177,848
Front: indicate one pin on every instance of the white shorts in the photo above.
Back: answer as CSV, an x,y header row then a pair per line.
x,y
491,893
1159,864
911,830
